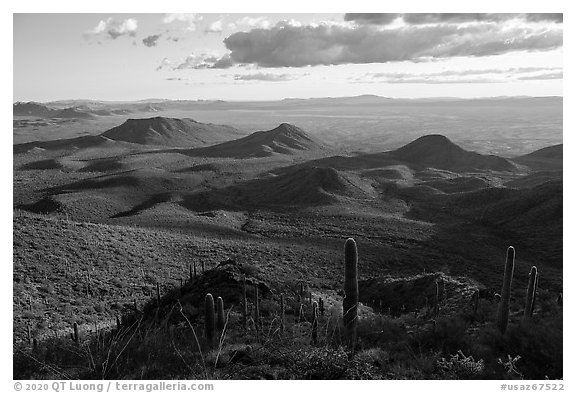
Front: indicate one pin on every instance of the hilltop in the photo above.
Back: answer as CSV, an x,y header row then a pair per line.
x,y
439,152
169,132
284,139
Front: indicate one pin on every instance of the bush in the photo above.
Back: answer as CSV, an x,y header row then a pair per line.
x,y
448,335
380,329
459,366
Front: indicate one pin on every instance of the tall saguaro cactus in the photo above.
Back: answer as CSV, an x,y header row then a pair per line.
x,y
314,322
350,302
535,294
475,303
257,308
531,293
220,314
76,335
244,304
504,307
209,319
437,300
282,312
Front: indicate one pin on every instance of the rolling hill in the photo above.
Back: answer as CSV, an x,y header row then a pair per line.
x,y
284,139
430,151
297,186
437,151
31,109
548,158
154,131
170,132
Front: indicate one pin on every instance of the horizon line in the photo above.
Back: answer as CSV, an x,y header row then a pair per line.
x,y
289,98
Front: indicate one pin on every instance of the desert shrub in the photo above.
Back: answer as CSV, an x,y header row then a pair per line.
x,y
539,346
379,329
248,270
46,288
448,335
269,307
319,363
459,366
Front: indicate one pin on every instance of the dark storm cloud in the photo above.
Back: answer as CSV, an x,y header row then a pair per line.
x,y
151,40
417,19
286,45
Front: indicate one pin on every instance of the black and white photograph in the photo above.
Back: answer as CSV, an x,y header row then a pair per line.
x,y
287,196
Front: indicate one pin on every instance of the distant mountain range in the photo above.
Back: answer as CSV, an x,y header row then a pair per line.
x,y
80,111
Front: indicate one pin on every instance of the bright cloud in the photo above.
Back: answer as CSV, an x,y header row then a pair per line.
x,y
215,27
190,21
113,28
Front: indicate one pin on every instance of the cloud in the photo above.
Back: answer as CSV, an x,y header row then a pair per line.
x,y
151,40
493,75
372,19
418,19
260,22
268,77
189,20
288,45
113,28
203,60
215,27
543,76
177,79
165,63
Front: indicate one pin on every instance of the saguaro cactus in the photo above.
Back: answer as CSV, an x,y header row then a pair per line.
x,y
158,294
314,322
257,307
244,304
209,319
220,314
535,294
504,307
475,303
76,335
437,300
350,302
530,293
282,312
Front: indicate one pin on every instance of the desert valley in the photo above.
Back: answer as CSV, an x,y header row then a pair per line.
x,y
126,214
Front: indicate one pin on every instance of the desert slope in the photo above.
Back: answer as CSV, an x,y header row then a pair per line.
x,y
437,151
165,131
284,139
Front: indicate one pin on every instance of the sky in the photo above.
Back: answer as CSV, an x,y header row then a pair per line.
x,y
247,57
